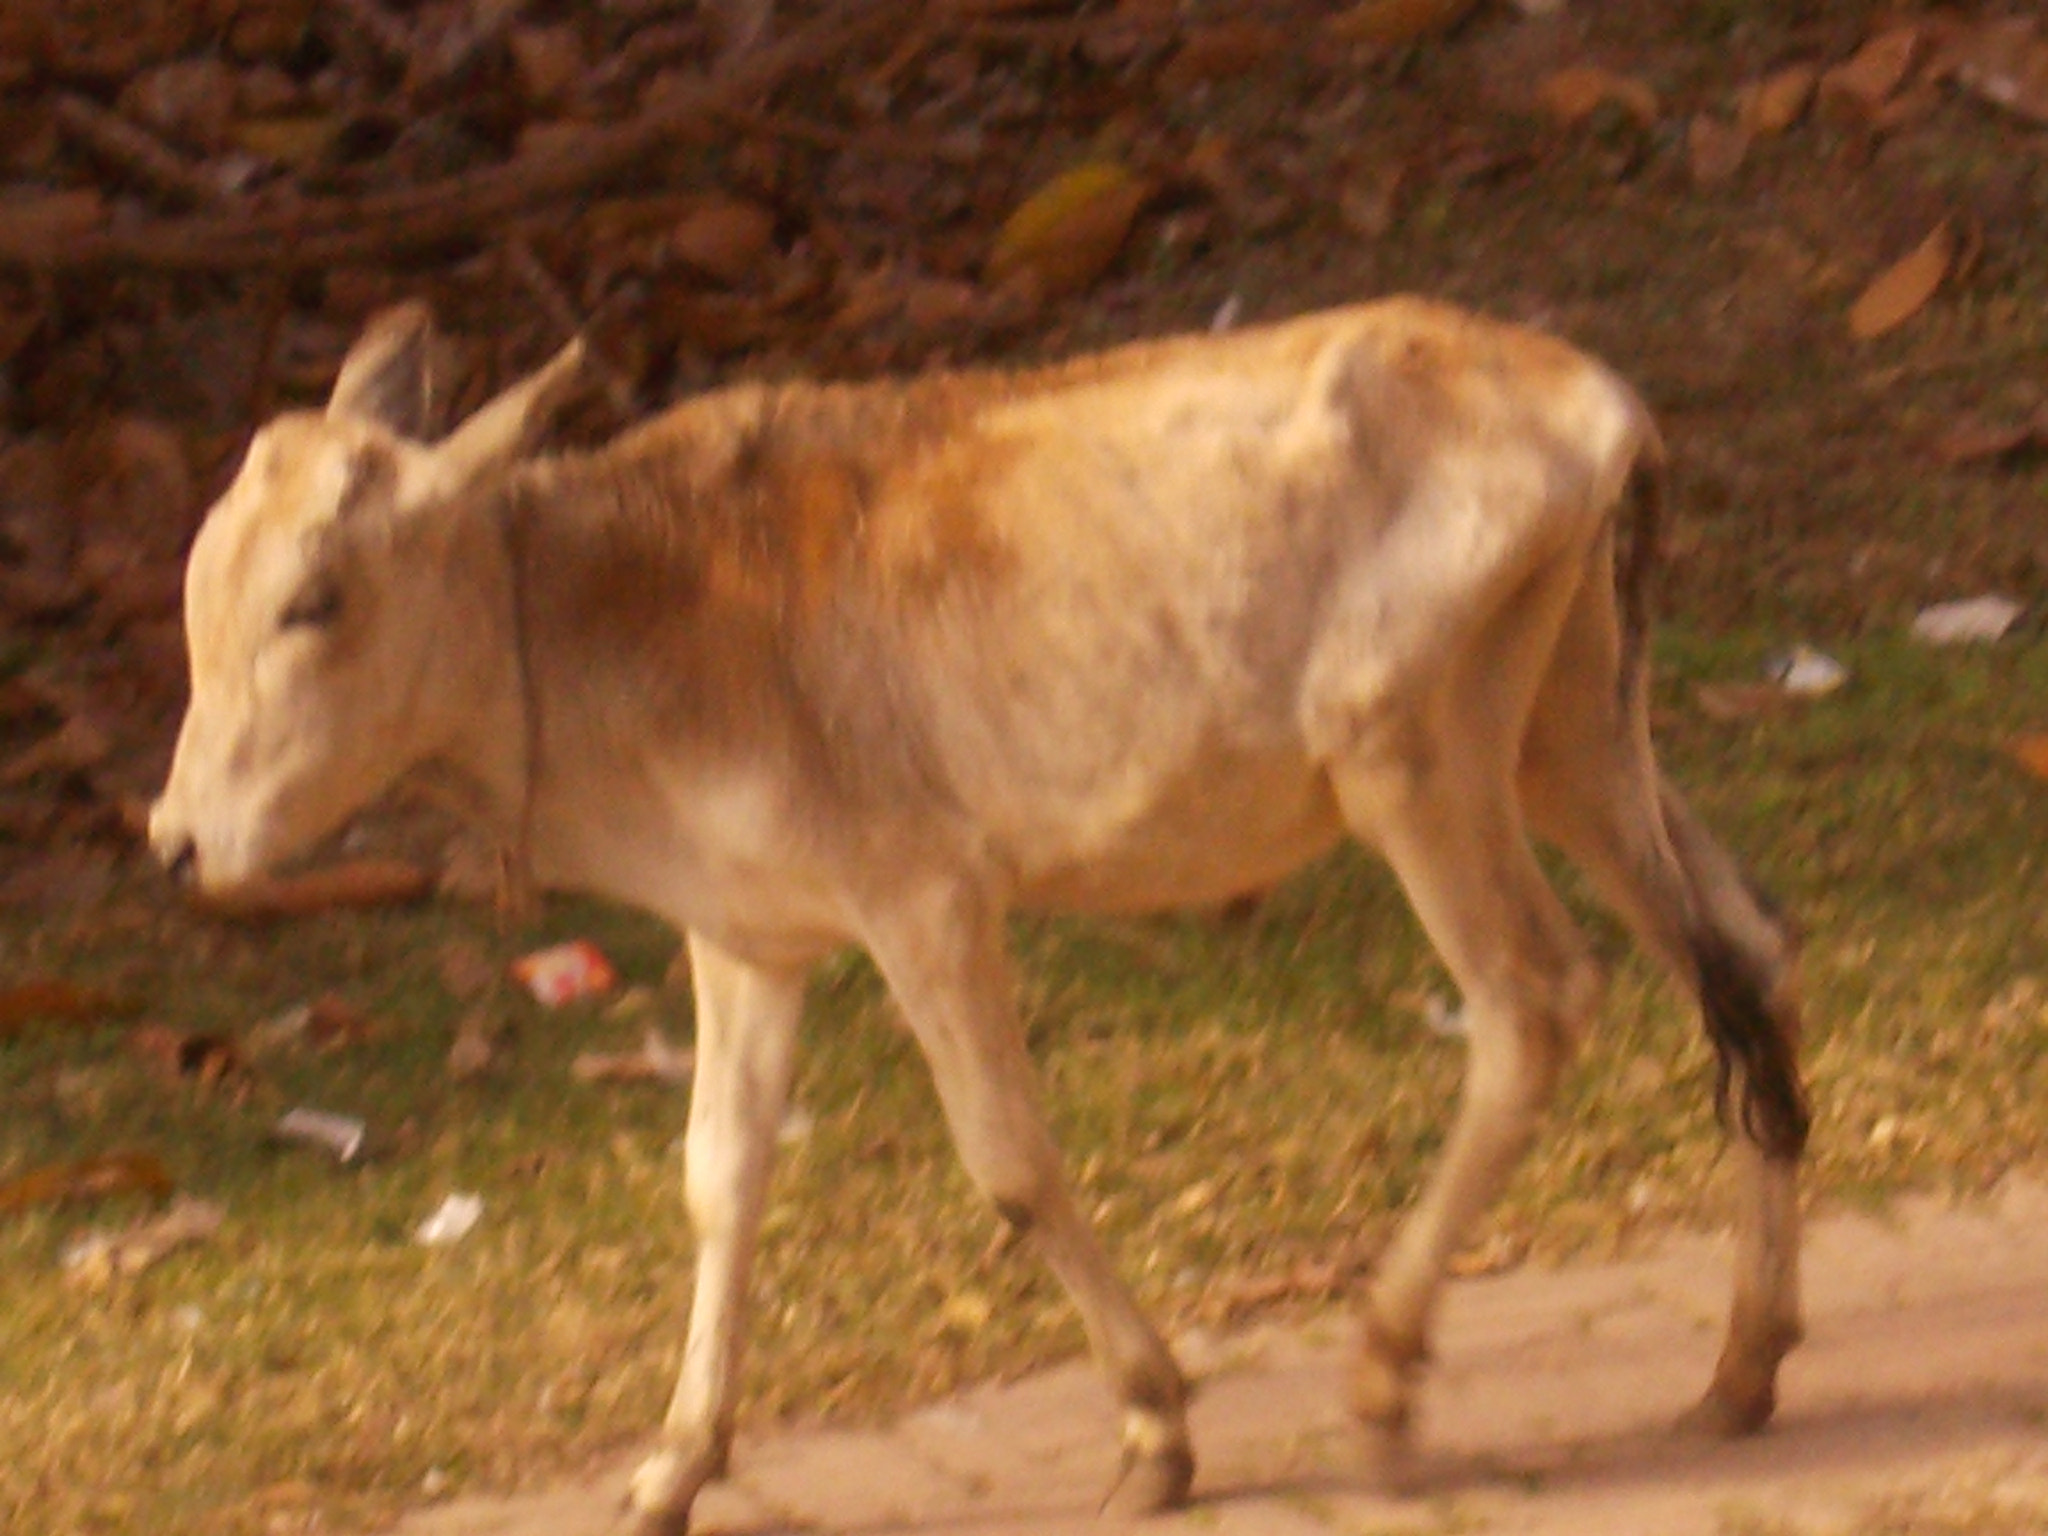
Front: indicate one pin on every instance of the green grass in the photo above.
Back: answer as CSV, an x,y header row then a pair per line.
x,y
1236,1097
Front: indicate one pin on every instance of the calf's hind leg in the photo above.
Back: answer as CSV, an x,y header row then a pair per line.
x,y
941,950
1590,784
1453,835
1746,988
1684,899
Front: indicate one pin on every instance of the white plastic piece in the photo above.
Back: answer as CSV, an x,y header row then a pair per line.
x,y
452,1221
1967,621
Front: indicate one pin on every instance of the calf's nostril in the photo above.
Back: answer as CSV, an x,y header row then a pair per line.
x,y
183,864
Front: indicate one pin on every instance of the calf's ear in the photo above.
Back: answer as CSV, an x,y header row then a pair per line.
x,y
503,429
390,374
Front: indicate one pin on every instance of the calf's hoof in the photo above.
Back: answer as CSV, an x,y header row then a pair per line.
x,y
1726,1414
1383,1379
1744,1392
1157,1470
1386,1458
665,1485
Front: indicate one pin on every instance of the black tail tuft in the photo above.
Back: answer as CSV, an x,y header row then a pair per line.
x,y
1749,1040
1637,567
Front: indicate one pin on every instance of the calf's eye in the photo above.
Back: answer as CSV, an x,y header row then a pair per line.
x,y
318,606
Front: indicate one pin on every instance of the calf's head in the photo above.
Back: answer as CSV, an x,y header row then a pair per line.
x,y
320,599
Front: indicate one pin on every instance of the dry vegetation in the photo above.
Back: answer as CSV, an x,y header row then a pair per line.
x,y
1811,232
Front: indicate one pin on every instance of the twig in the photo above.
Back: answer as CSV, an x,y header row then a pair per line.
x,y
331,230
876,139
275,305
384,32
527,271
128,148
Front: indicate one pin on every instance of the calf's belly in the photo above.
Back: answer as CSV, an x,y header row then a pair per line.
x,y
1202,843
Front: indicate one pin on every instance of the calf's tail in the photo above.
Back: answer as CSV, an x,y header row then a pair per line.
x,y
1753,1045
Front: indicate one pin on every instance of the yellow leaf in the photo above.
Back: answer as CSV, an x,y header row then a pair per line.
x,y
1897,294
1064,236
1777,101
1574,94
1391,23
966,1312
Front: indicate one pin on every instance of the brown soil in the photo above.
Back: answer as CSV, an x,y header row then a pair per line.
x,y
1916,1406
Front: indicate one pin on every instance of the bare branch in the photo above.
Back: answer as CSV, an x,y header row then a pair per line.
x,y
325,231
121,144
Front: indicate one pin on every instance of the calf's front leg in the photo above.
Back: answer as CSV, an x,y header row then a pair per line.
x,y
746,1033
941,949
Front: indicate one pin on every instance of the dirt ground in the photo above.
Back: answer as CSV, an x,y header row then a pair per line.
x,y
1917,1405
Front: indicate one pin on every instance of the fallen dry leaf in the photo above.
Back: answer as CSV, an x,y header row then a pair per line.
x,y
1899,292
356,883
90,1178
1064,235
1573,94
1220,50
1716,149
1972,441
100,1258
2031,753
51,217
1393,23
53,1000
1863,82
1777,101
719,324
723,238
299,141
924,305
73,747
1915,104
547,61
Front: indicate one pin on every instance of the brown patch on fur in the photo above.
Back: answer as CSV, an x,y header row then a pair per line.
x,y
935,529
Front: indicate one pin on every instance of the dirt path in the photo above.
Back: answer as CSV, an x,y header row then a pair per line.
x,y
1922,1388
